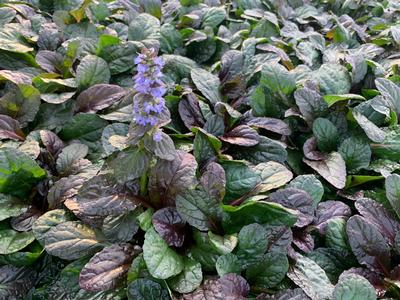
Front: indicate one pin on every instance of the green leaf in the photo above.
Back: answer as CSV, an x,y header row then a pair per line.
x,y
240,179
336,236
152,7
332,99
18,173
354,287
23,258
72,240
120,228
256,212
130,164
223,244
389,148
146,289
228,263
326,134
266,150
252,244
11,207
145,219
144,26
120,57
268,271
12,241
207,84
390,91
213,17
277,79
273,175
392,186
92,70
47,221
311,278
311,185
198,209
189,279
354,180
333,79
106,40
87,128
170,38
356,153
264,104
373,132
203,251
161,260
21,103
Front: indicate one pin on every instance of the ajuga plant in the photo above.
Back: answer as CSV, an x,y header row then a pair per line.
x,y
199,149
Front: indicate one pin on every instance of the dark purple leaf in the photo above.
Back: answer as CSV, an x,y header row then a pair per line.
x,y
270,124
332,169
234,88
168,178
15,77
231,65
328,210
10,129
190,112
375,213
310,277
107,268
280,52
229,287
24,221
210,290
50,61
374,278
296,199
64,189
15,282
98,97
368,244
242,135
52,142
100,197
279,238
310,149
214,181
295,294
303,240
310,103
234,286
170,226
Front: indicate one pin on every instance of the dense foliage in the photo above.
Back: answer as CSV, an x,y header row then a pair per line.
x,y
199,149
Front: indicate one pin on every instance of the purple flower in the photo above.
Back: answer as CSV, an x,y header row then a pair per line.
x,y
157,137
149,102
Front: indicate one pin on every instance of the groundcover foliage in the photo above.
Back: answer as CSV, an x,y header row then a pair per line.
x,y
254,155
